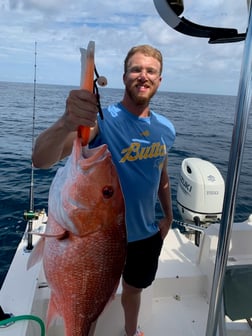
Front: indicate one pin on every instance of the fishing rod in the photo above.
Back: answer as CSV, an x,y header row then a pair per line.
x,y
31,214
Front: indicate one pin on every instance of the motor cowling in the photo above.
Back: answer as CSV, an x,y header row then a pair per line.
x,y
200,191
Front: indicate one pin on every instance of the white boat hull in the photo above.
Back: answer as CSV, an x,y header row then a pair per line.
x,y
176,304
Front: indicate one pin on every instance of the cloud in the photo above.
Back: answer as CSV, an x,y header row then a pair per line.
x,y
62,26
45,6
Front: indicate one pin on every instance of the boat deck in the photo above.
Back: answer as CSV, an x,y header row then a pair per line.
x,y
176,304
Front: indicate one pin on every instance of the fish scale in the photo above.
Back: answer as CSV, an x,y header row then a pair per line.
x,y
89,290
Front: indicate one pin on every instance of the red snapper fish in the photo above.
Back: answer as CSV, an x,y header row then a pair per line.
x,y
84,245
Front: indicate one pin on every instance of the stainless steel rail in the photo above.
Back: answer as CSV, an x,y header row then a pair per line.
x,y
232,181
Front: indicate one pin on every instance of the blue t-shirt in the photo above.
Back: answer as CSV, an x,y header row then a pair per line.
x,y
138,147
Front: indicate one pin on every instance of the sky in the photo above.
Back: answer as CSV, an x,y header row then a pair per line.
x,y
61,27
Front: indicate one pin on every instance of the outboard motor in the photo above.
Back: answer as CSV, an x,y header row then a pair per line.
x,y
200,192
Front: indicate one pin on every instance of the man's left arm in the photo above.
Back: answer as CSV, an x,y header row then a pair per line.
x,y
164,194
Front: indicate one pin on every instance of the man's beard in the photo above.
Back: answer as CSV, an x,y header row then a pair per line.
x,y
139,100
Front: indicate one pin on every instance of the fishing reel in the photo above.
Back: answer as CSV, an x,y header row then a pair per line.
x,y
30,215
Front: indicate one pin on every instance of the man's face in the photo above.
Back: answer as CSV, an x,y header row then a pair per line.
x,y
142,78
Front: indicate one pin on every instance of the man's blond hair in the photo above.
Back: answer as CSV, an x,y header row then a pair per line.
x,y
146,50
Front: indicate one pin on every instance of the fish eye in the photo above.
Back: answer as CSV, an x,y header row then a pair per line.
x,y
108,191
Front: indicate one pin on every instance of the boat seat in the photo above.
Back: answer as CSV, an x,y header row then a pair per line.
x,y
237,292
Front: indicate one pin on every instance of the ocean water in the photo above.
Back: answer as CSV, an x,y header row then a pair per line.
x,y
204,125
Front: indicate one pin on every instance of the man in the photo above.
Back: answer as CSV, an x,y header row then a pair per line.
x,y
138,140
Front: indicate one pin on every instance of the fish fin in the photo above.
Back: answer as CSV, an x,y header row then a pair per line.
x,y
52,313
59,236
36,254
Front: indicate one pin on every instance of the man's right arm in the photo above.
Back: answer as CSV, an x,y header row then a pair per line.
x,y
56,142
51,145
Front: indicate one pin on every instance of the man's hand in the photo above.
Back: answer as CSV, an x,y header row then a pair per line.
x,y
81,109
164,226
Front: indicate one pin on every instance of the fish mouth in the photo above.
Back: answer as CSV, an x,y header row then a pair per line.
x,y
94,154
89,157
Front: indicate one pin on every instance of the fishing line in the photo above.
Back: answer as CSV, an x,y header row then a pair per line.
x,y
101,81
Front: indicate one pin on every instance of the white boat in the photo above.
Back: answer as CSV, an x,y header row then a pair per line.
x,y
200,289
176,304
